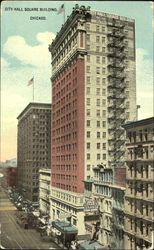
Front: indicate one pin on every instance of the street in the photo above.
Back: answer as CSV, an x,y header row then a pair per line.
x,y
13,236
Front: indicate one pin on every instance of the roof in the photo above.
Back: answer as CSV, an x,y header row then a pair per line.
x,y
91,245
132,124
64,227
34,105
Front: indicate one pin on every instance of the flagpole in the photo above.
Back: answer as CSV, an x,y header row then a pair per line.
x,y
64,12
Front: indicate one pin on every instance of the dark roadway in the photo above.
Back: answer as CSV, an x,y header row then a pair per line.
x,y
13,236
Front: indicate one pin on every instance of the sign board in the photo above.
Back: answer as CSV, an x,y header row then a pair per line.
x,y
90,205
64,215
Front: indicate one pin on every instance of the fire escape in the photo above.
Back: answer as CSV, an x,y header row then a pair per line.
x,y
116,93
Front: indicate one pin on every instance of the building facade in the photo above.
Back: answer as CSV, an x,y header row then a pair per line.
x,y
33,147
11,175
93,93
44,191
139,209
118,195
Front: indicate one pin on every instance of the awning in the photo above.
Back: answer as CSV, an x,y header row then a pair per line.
x,y
91,245
64,227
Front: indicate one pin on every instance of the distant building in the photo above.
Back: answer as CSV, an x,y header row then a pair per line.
x,y
11,176
139,197
44,191
33,147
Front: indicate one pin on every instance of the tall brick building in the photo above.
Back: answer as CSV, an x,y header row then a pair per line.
x,y
33,147
93,93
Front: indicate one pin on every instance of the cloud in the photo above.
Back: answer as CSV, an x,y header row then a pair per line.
x,y
4,63
37,55
15,94
144,77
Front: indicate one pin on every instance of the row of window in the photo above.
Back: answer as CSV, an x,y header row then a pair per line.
x,y
98,70
141,135
99,156
64,167
98,134
64,177
65,187
98,80
97,28
98,124
98,146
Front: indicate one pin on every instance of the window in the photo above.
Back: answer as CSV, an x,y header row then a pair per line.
x,y
97,39
88,69
98,102
97,70
88,79
103,49
88,156
104,156
97,80
104,146
97,28
127,93
97,48
103,70
88,58
98,124
98,91
98,135
88,112
104,124
88,167
103,39
104,134
98,156
103,102
103,28
98,146
103,91
88,90
88,134
98,113
97,59
88,123
104,81
88,37
127,105
88,101
103,59
88,145
104,113
88,26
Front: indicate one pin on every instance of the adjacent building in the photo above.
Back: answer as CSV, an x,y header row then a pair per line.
x,y
11,176
93,93
44,191
33,147
118,197
139,209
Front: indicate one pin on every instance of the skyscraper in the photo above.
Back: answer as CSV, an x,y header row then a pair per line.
x,y
93,93
33,147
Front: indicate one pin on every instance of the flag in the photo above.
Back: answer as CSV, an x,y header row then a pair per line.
x,y
61,9
31,81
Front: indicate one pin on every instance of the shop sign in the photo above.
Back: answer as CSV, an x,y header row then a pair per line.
x,y
90,205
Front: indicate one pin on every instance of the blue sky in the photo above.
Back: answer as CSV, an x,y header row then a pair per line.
x,y
24,51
